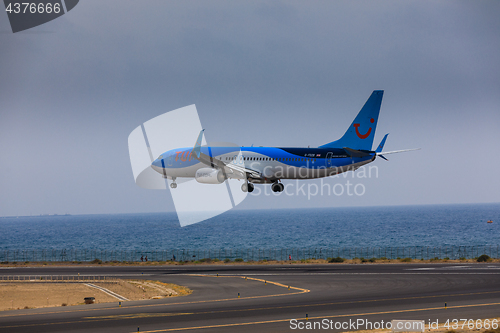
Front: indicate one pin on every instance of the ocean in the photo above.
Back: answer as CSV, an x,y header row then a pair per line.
x,y
397,226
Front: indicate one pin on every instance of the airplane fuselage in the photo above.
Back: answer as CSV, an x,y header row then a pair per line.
x,y
272,163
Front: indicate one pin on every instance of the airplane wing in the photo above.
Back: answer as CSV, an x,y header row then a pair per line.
x,y
230,170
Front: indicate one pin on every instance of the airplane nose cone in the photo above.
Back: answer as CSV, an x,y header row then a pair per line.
x,y
156,165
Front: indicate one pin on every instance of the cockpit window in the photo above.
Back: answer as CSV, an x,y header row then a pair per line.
x,y
160,157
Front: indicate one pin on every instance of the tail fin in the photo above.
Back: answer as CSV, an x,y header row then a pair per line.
x,y
362,130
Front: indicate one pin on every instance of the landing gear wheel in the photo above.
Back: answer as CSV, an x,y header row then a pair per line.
x,y
282,187
244,187
250,187
173,185
276,187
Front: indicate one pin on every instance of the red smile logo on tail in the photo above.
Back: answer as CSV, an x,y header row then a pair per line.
x,y
367,134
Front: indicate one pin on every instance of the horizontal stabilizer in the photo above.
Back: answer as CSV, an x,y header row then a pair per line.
x,y
396,151
382,156
355,153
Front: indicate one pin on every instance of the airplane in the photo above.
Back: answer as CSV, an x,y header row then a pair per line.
x,y
270,165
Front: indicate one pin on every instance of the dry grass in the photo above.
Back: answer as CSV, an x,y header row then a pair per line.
x,y
20,295
27,295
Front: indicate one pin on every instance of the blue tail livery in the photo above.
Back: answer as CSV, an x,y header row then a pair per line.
x,y
362,130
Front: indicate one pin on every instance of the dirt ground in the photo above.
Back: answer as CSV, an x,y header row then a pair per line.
x,y
140,289
22,295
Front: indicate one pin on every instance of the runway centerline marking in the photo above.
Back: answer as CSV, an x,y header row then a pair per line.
x,y
312,318
141,315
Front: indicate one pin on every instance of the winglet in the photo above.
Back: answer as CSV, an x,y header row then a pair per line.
x,y
382,143
197,145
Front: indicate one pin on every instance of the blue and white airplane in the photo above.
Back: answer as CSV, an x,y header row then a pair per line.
x,y
269,165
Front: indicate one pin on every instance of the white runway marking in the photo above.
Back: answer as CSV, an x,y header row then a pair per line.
x,y
107,291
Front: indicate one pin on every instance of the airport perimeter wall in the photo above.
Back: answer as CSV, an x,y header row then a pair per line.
x,y
249,254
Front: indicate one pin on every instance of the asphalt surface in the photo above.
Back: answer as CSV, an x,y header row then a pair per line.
x,y
335,294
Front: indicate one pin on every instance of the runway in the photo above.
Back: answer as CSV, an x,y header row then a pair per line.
x,y
272,295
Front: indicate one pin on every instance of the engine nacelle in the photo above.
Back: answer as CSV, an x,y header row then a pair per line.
x,y
209,176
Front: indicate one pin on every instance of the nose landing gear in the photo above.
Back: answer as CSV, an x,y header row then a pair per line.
x,y
173,184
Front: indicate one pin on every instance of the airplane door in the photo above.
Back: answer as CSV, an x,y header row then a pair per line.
x,y
169,160
328,160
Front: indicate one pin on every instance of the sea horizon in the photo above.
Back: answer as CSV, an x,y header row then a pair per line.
x,y
257,209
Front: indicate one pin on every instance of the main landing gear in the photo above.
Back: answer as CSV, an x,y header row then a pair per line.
x,y
247,187
277,187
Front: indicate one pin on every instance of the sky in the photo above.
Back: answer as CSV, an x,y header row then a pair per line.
x,y
280,73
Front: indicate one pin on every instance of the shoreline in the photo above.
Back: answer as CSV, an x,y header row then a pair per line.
x,y
202,262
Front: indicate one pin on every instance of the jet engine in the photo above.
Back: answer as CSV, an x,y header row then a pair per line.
x,y
209,176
